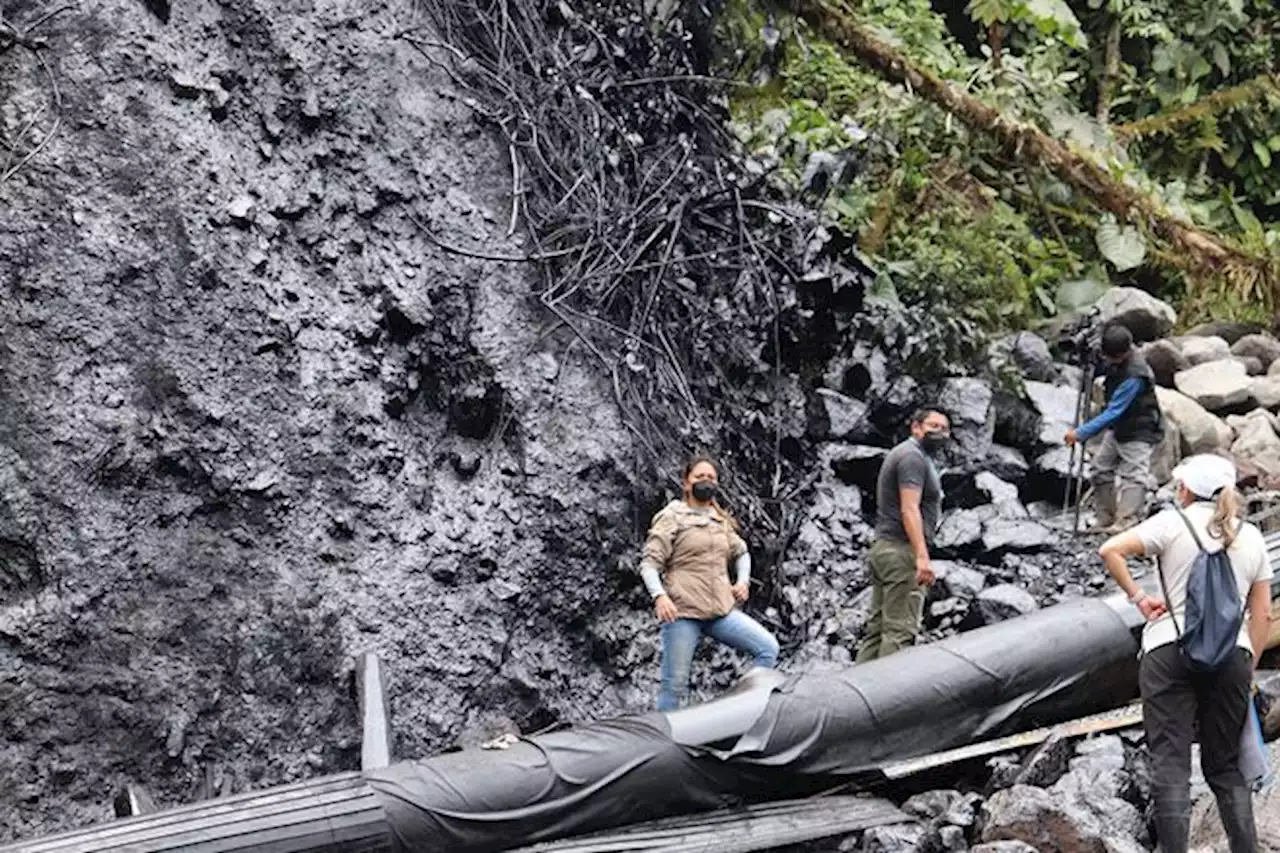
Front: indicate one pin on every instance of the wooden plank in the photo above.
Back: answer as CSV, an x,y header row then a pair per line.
x,y
375,752
742,830
1118,718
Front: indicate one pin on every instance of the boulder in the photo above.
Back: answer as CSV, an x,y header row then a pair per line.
x,y
1143,314
1005,601
968,401
896,838
1217,385
996,491
1017,422
1003,847
1274,370
962,529
1252,366
1229,332
1007,463
856,465
1056,405
1257,441
1031,354
1264,348
1165,360
1016,534
957,580
1265,390
1198,350
1200,431
837,416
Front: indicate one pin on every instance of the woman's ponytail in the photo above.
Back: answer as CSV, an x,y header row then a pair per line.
x,y
1226,513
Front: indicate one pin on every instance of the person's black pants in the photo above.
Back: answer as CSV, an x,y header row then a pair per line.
x,y
1180,706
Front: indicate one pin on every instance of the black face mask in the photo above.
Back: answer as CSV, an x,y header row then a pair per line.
x,y
704,491
933,442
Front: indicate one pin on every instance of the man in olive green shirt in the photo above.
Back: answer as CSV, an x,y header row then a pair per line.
x,y
908,508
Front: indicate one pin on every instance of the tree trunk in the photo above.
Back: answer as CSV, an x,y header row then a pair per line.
x,y
1199,251
1110,71
995,40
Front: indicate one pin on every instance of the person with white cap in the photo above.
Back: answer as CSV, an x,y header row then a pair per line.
x,y
1177,698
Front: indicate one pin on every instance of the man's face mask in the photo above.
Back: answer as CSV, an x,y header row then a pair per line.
x,y
704,491
933,441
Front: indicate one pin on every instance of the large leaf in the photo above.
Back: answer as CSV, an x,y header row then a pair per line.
x,y
988,12
1124,247
1054,17
1080,294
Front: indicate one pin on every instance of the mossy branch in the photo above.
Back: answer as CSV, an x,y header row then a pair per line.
x,y
1215,104
1200,252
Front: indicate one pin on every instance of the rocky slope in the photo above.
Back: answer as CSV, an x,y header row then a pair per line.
x,y
252,421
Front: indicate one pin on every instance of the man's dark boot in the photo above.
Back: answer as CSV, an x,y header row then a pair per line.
x,y
1172,817
1235,805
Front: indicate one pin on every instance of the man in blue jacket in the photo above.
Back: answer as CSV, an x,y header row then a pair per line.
x,y
1133,426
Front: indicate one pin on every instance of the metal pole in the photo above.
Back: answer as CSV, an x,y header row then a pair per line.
x,y
1086,387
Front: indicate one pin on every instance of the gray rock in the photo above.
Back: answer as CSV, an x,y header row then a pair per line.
x,y
962,529
1005,601
1228,331
896,838
932,804
959,580
1262,347
839,416
1003,847
968,401
1274,370
1165,360
951,838
1143,314
1256,440
1047,763
1216,385
997,491
1200,430
1268,684
857,465
1007,463
1056,406
1016,534
1031,355
241,208
1252,366
1198,350
1265,391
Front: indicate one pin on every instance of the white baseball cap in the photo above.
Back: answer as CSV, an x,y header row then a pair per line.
x,y
1205,474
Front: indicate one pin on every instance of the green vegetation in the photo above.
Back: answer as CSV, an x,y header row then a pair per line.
x,y
1172,97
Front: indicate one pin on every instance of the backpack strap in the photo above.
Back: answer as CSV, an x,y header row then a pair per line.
x,y
1164,592
1191,527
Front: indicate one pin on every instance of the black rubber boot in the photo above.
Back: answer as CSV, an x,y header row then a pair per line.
x,y
1172,817
1235,805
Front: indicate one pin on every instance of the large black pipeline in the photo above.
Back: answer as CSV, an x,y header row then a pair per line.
x,y
770,738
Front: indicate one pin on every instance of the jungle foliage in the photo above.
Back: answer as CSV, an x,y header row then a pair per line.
x,y
1131,143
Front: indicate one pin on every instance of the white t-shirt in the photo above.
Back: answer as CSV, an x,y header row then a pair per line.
x,y
1165,535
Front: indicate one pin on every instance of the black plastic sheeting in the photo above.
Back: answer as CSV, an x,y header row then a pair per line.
x,y
594,776
815,728
1066,661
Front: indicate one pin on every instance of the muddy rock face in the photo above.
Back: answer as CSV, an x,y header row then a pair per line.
x,y
253,421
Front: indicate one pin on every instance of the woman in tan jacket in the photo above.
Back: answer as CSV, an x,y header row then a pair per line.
x,y
685,567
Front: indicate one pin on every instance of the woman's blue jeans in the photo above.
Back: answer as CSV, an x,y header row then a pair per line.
x,y
680,640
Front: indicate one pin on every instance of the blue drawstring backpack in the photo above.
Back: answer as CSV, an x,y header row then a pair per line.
x,y
1213,611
